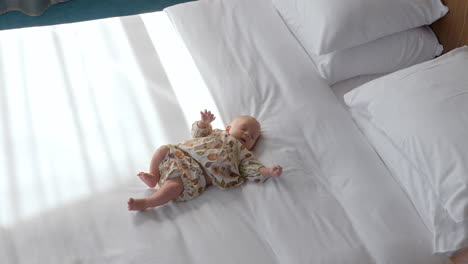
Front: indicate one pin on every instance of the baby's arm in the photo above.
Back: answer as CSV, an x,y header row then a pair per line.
x,y
274,171
254,170
202,128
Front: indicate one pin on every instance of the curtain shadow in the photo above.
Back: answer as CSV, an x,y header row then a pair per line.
x,y
8,251
106,143
132,98
159,89
75,113
8,149
33,145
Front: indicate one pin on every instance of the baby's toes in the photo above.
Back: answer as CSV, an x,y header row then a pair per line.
x,y
131,204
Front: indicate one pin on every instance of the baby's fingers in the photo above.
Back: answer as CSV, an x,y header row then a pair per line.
x,y
207,115
204,115
278,170
274,171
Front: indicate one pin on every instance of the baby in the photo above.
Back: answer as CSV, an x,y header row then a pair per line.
x,y
219,157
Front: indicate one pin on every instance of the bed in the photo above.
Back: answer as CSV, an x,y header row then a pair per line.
x,y
74,136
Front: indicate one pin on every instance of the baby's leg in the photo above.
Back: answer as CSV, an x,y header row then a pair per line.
x,y
152,178
461,257
170,190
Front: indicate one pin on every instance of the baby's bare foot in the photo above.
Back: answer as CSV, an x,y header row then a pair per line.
x,y
148,179
136,204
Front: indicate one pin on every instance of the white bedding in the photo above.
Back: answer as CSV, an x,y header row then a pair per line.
x,y
324,26
288,94
417,121
384,55
78,135
341,88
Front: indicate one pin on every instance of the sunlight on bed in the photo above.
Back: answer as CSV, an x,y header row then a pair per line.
x,y
185,78
76,115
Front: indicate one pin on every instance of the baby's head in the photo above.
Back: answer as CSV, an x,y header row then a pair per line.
x,y
246,129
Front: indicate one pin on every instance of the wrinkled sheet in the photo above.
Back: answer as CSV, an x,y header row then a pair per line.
x,y
417,120
73,137
255,66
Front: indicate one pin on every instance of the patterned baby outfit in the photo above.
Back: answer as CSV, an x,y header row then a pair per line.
x,y
179,163
222,157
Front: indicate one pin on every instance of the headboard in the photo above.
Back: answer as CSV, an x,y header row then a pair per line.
x,y
452,29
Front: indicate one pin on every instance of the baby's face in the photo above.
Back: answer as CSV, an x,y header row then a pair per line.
x,y
245,129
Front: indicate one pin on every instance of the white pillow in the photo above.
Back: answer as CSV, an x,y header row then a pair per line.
x,y
423,112
324,26
384,55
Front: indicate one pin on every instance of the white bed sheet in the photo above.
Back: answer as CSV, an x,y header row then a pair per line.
x,y
72,140
255,66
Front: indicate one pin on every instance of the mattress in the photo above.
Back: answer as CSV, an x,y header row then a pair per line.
x,y
74,136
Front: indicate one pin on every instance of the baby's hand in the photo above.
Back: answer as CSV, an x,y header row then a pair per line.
x,y
206,118
274,171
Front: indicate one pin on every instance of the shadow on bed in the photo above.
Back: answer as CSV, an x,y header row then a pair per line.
x,y
174,210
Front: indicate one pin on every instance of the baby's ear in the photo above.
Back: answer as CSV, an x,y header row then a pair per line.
x,y
228,128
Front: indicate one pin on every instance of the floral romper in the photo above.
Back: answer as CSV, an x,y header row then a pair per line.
x,y
214,152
